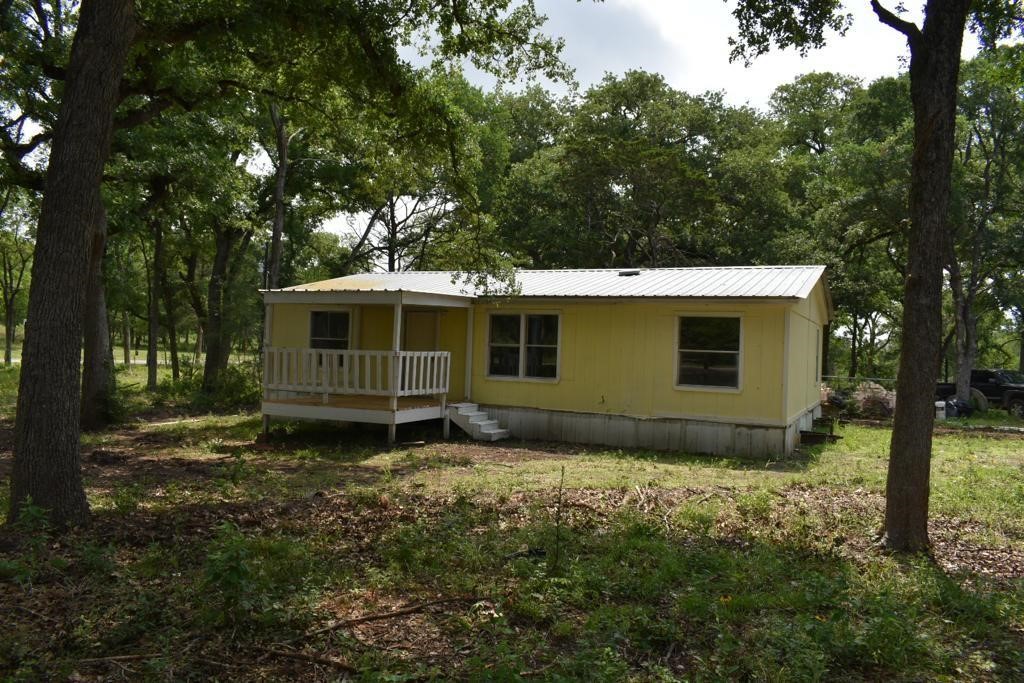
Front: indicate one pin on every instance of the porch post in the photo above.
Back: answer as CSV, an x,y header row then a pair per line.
x,y
447,430
469,353
268,321
396,367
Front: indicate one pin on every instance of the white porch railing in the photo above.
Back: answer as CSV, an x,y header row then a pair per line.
x,y
378,373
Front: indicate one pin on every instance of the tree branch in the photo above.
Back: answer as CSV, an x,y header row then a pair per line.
x,y
887,17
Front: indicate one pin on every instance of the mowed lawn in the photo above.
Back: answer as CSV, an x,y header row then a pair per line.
x,y
323,554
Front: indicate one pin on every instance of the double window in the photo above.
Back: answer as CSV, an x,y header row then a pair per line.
x,y
328,330
709,352
523,345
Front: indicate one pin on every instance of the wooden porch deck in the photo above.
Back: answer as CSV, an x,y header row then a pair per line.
x,y
360,402
355,408
341,385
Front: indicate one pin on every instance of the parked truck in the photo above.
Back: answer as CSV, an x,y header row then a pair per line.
x,y
1000,388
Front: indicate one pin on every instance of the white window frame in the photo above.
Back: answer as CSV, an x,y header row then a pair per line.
x,y
347,310
521,377
676,351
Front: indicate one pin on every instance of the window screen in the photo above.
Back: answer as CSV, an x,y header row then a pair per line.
x,y
504,346
328,330
709,351
523,345
541,346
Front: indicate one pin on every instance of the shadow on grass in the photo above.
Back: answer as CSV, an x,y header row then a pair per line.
x,y
601,599
797,462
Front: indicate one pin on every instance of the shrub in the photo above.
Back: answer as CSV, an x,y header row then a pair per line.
x,y
246,579
237,388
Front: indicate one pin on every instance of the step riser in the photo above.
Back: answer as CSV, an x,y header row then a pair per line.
x,y
475,422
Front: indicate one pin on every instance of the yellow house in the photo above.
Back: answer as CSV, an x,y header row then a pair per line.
x,y
705,360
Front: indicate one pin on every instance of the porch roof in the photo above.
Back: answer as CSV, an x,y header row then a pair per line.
x,y
736,282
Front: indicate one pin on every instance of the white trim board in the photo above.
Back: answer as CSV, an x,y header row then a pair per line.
x,y
335,414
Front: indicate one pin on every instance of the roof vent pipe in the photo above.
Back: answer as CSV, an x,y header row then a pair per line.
x,y
629,273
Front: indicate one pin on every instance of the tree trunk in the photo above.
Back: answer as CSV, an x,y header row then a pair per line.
x,y
155,296
172,326
1020,351
9,325
934,68
854,337
98,385
217,346
126,338
1018,318
966,331
47,468
280,176
199,346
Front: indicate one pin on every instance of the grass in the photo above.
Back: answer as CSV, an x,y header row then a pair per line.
x,y
211,554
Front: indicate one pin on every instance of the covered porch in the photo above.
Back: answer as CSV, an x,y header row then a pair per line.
x,y
386,358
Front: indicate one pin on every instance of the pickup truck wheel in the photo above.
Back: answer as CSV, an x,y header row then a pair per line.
x,y
1016,408
979,400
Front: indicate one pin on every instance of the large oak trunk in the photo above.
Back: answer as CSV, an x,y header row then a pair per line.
x,y
966,330
934,67
155,296
98,383
281,174
218,345
172,325
46,450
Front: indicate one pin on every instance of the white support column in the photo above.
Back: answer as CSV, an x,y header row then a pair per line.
x,y
396,366
268,322
444,416
469,353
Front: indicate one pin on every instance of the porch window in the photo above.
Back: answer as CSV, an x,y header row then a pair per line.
x,y
328,330
709,352
523,345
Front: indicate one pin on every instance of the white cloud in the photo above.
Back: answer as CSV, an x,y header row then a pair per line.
x,y
687,42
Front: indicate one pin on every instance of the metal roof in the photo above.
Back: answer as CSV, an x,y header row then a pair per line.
x,y
734,282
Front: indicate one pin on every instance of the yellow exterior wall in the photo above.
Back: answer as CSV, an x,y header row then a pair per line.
x,y
806,321
372,326
289,323
375,323
620,358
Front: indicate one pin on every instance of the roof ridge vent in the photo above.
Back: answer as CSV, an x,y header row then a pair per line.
x,y
629,272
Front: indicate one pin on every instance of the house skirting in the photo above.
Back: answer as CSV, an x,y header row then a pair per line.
x,y
658,433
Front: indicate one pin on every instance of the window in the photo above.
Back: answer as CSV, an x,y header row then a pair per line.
x,y
505,349
328,330
709,352
523,345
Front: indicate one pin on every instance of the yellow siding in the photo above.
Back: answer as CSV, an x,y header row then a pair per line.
x,y
289,326
373,326
375,323
620,358
806,321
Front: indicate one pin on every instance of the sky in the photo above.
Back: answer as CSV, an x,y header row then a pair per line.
x,y
687,41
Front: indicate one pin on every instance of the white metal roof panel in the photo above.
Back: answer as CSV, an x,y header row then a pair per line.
x,y
734,282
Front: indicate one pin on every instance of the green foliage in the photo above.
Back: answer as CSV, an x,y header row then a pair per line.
x,y
730,569
33,531
237,388
126,498
247,579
